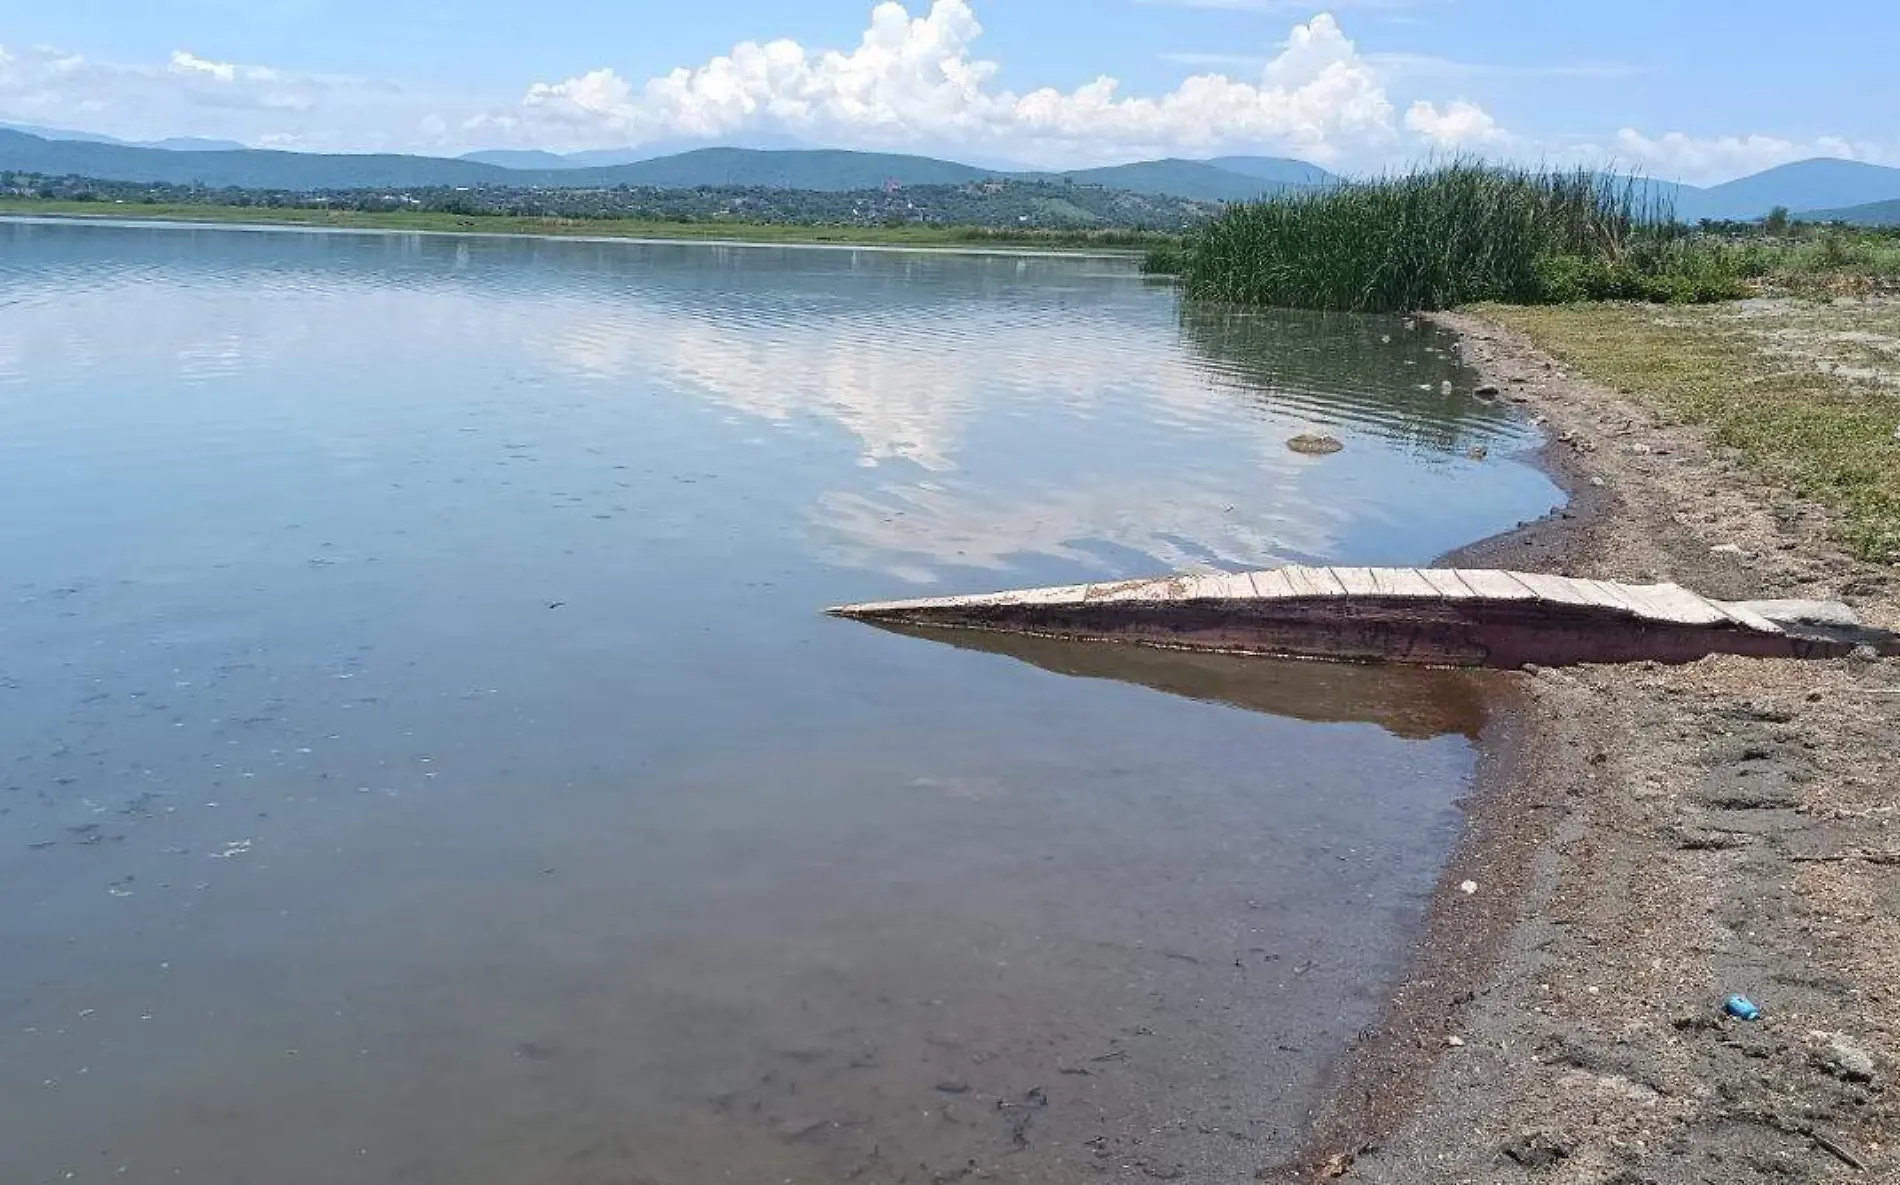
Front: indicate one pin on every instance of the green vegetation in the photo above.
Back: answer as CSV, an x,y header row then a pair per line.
x,y
816,169
1885,213
1001,205
1452,235
1808,391
1467,232
912,235
1822,260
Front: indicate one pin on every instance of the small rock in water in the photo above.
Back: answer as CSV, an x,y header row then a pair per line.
x,y
1487,389
1308,444
1477,452
1445,386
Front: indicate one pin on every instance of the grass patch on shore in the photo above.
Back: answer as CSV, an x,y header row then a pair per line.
x,y
1808,391
750,232
1452,235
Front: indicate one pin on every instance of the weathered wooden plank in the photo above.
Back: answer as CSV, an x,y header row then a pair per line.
x,y
1215,586
1746,617
1326,582
1060,595
1600,594
1358,582
1135,590
1667,602
1449,583
1312,582
1617,596
1556,590
1403,582
1272,585
1494,586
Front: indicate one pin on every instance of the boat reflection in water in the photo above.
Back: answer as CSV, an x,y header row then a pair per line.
x,y
1414,703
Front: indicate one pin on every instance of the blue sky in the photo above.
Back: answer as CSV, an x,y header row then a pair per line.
x,y
1693,90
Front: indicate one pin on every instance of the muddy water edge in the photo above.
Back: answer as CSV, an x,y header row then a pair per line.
x,y
1643,842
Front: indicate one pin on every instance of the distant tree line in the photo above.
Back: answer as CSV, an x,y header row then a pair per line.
x,y
994,204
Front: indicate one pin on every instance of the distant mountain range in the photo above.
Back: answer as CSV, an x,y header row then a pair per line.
x,y
1812,188
822,169
1803,187
170,144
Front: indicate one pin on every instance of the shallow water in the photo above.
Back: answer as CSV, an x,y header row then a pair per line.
x,y
422,759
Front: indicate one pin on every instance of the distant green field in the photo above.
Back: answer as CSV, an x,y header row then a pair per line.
x,y
870,236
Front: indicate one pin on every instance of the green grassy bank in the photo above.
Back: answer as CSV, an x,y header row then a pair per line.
x,y
1807,390
788,233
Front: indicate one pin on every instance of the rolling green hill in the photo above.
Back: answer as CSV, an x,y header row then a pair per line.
x,y
1870,214
1278,169
1182,178
825,170
1810,185
247,169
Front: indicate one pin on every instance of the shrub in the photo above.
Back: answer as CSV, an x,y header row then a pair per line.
x,y
1457,234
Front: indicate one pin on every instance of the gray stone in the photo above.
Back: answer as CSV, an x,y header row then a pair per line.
x,y
1846,1060
1799,612
1537,1149
1310,445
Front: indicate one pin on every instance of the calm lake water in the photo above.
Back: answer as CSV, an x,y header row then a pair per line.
x,y
422,757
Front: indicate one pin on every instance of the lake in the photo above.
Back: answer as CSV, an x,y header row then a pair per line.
x,y
423,757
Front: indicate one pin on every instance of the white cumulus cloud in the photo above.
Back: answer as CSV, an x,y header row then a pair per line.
x,y
188,63
192,94
1679,156
1458,125
914,79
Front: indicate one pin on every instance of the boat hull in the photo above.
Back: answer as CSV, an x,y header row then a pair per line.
x,y
1422,617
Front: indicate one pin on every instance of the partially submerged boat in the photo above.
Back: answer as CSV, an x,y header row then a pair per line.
x,y
1421,616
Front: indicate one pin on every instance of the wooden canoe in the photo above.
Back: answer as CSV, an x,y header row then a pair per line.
x,y
1422,616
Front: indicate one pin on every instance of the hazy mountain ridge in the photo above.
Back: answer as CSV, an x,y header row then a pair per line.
x,y
1870,214
1803,187
828,170
168,144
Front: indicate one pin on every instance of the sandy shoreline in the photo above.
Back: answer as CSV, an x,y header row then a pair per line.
x,y
1645,841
